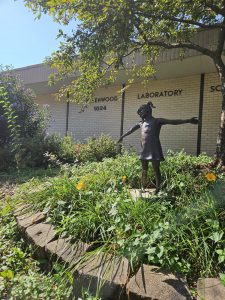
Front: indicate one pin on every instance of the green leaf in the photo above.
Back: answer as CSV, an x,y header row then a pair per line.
x,y
222,278
7,274
216,236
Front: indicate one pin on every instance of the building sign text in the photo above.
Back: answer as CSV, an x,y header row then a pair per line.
x,y
97,108
215,88
166,93
106,99
103,99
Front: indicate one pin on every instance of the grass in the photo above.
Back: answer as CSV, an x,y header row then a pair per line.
x,y
20,176
21,277
181,229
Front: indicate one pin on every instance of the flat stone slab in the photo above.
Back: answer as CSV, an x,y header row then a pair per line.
x,y
138,193
105,273
210,289
29,219
21,209
40,235
150,283
64,251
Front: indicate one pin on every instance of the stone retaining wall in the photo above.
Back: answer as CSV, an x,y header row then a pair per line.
x,y
103,272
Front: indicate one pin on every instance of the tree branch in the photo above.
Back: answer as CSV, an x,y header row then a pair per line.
x,y
174,45
181,20
215,8
221,39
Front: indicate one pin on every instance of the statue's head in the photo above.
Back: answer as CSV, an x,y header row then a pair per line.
x,y
145,110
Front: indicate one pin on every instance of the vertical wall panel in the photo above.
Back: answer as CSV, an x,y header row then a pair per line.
x,y
182,106
211,113
57,123
99,117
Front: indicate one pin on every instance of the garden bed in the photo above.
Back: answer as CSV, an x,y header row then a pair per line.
x,y
181,229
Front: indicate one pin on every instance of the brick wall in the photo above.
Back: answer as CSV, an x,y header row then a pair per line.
x,y
104,115
174,99
181,106
211,113
57,113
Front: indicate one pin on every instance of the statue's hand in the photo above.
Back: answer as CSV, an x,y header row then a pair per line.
x,y
194,120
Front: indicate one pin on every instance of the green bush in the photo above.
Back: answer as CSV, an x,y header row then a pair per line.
x,y
96,149
29,117
22,122
66,152
5,158
34,149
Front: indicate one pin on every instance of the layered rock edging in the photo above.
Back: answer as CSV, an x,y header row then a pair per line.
x,y
100,272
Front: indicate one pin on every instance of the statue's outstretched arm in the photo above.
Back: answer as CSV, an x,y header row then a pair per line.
x,y
193,120
131,130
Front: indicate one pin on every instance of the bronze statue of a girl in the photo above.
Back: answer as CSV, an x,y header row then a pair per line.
x,y
151,146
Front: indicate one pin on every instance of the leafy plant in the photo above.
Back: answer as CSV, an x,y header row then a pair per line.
x,y
20,275
21,120
180,228
96,149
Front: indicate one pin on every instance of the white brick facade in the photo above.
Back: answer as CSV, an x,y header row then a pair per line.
x,y
211,113
104,115
57,113
182,106
174,99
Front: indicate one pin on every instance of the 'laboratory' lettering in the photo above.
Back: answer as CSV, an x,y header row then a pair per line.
x,y
166,93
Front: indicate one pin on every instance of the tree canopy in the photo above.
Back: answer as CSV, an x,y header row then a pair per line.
x,y
110,30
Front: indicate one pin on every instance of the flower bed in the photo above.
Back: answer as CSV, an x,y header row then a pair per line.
x,y
180,228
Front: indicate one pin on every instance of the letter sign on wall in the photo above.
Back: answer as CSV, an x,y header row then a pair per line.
x,y
166,93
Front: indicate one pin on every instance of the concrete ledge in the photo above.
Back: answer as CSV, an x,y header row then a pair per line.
x,y
150,283
66,252
105,273
21,210
29,219
40,235
99,272
210,289
138,193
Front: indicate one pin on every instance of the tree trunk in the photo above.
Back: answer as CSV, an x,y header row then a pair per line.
x,y
220,147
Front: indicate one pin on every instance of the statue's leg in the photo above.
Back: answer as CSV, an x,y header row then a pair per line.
x,y
156,168
144,174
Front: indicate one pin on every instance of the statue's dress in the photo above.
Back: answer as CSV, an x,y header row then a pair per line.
x,y
150,143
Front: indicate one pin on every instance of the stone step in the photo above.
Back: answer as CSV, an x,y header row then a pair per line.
x,y
152,283
105,273
29,219
62,250
210,289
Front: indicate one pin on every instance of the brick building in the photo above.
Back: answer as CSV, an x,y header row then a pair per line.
x,y
181,89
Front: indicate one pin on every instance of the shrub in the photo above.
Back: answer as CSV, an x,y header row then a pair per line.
x,y
35,147
22,123
5,158
95,149
66,152
29,118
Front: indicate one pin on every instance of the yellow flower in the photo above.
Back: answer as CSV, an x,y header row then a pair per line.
x,y
210,176
80,186
124,179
